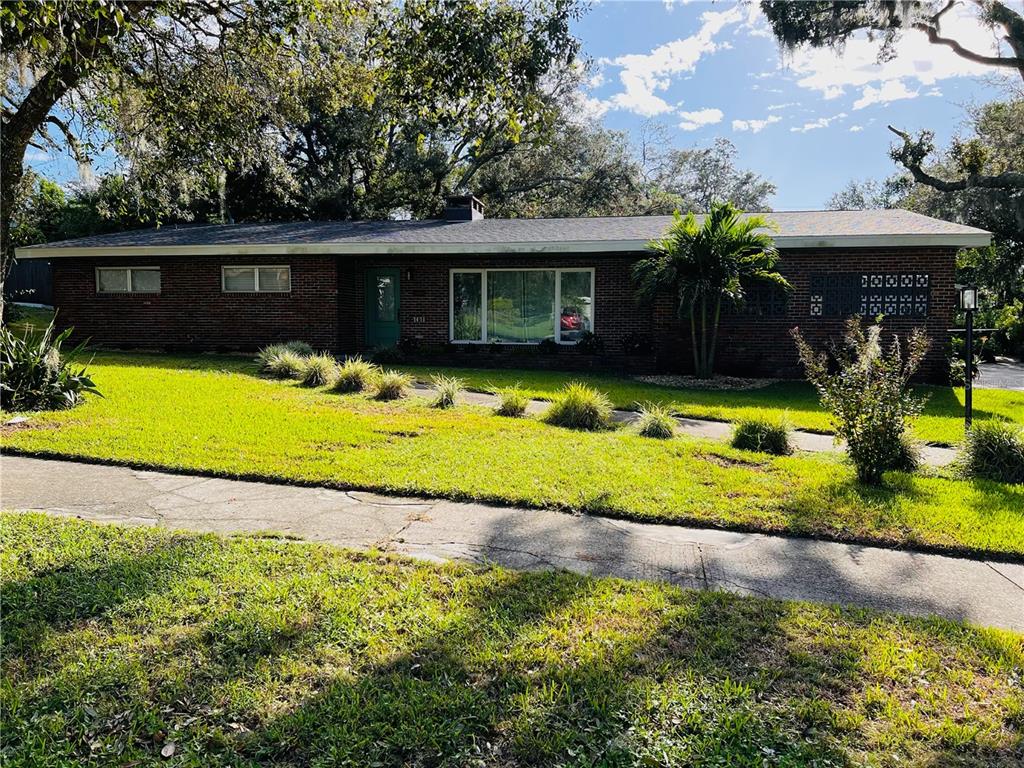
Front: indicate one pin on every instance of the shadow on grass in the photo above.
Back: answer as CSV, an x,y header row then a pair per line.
x,y
320,658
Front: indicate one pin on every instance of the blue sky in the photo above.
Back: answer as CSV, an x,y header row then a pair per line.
x,y
809,121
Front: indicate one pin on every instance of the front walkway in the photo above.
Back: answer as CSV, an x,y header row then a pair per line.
x,y
983,593
714,430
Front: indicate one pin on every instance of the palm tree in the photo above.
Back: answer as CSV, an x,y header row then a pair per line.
x,y
704,262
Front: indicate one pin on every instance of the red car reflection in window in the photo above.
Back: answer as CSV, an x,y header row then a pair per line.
x,y
571,320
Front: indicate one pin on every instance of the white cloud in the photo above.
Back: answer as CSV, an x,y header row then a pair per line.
x,y
755,126
777,107
856,128
891,90
644,74
694,120
830,72
821,122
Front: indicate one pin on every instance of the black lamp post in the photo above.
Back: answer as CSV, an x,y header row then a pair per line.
x,y
968,303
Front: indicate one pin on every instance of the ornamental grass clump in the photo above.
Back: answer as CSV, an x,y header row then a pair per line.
x,y
448,389
286,365
512,401
656,421
578,406
993,450
391,385
867,392
318,370
355,375
765,434
267,354
35,376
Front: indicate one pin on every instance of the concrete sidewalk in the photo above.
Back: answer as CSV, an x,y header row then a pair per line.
x,y
984,593
714,430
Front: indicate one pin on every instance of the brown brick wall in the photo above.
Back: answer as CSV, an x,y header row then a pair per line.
x,y
192,311
326,309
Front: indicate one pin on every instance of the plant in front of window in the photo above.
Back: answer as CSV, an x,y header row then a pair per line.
x,y
867,392
705,263
589,343
36,376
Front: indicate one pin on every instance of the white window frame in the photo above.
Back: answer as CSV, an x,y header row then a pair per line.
x,y
130,288
256,276
482,271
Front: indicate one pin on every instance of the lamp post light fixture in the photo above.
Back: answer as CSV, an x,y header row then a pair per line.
x,y
969,304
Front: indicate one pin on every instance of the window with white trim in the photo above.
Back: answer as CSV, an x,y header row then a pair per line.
x,y
128,279
520,306
270,279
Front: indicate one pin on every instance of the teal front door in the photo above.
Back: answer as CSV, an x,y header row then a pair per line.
x,y
382,301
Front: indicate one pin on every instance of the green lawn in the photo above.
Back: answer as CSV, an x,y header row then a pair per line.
x,y
942,422
121,643
213,414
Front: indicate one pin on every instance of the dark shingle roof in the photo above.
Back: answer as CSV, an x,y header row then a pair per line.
x,y
795,229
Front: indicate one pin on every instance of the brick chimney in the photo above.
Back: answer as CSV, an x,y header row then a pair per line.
x,y
463,208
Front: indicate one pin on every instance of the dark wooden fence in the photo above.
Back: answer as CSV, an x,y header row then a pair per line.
x,y
30,281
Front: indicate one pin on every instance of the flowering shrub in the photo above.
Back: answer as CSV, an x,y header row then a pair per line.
x,y
869,396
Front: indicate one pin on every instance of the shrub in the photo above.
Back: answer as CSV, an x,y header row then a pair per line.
x,y
578,406
547,347
35,376
764,434
635,343
993,450
391,385
267,354
869,395
656,421
448,389
286,365
589,343
512,401
355,375
318,370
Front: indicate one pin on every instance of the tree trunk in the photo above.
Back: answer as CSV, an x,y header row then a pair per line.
x,y
714,337
693,341
703,373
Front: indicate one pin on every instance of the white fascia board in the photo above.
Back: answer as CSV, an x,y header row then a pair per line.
x,y
966,240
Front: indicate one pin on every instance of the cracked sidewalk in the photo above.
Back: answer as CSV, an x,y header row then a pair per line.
x,y
981,592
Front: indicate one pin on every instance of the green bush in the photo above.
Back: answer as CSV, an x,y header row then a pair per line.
x,y
448,389
286,365
267,354
35,376
355,375
867,392
763,433
993,450
392,385
318,370
656,421
512,401
578,406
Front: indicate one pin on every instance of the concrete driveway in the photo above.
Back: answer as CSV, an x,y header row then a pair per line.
x,y
984,593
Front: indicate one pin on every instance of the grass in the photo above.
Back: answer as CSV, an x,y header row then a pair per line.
x,y
120,642
213,415
941,424
32,318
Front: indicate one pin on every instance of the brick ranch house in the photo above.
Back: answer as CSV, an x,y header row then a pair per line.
x,y
495,292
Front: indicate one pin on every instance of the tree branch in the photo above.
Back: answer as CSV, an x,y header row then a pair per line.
x,y
935,38
906,158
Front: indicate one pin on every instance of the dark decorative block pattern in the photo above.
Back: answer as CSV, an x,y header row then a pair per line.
x,y
895,294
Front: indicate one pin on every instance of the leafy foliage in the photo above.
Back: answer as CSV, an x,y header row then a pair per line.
x,y
36,376
705,262
766,434
318,370
286,364
512,401
391,385
869,396
355,375
994,450
448,389
577,406
655,421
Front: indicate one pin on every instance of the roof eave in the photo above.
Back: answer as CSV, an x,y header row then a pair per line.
x,y
783,242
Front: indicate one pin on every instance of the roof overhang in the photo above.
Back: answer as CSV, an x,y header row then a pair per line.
x,y
783,242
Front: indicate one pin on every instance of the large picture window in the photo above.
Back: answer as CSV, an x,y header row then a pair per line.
x,y
128,279
256,279
521,306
